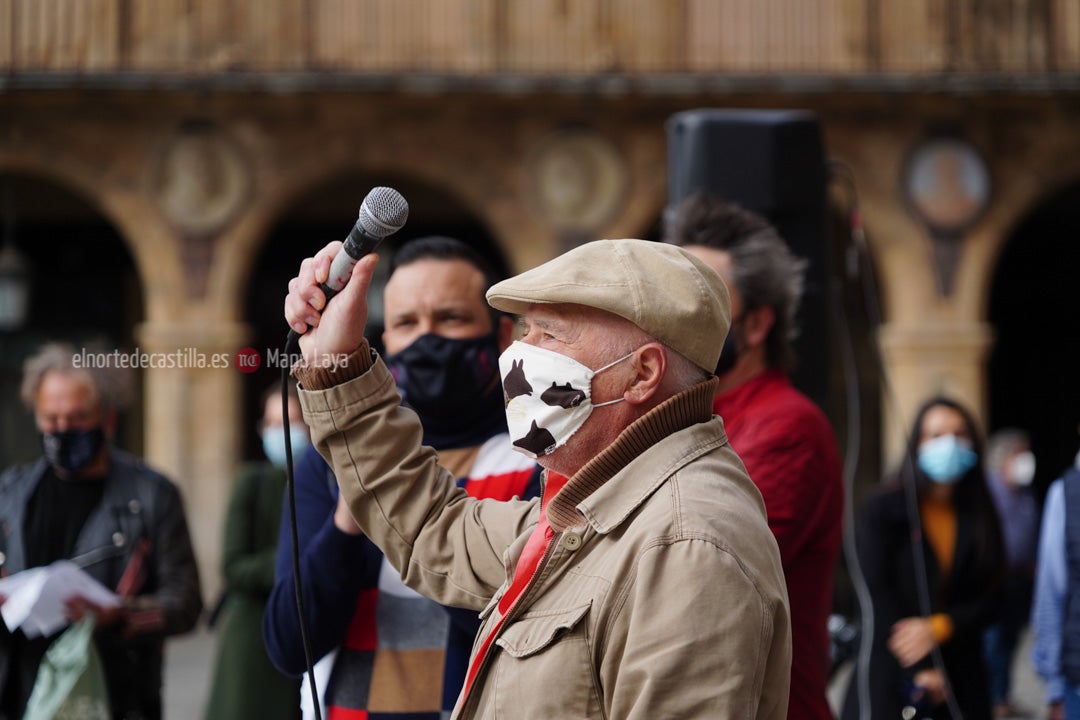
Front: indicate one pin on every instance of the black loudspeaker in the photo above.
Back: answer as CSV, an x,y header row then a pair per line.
x,y
771,162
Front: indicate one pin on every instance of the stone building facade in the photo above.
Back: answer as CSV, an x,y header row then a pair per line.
x,y
199,156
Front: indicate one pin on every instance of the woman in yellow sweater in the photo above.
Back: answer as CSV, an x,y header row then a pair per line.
x,y
931,554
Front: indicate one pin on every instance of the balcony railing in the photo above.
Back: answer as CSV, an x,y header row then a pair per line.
x,y
471,39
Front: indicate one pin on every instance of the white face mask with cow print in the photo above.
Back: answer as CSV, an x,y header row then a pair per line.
x,y
548,396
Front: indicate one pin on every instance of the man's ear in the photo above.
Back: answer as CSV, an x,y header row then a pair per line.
x,y
757,324
650,366
506,332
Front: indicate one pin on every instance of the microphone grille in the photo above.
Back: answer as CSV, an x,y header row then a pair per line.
x,y
383,212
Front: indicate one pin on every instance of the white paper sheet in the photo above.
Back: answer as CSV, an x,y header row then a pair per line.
x,y
36,597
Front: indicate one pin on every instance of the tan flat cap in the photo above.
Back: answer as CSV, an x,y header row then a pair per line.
x,y
661,288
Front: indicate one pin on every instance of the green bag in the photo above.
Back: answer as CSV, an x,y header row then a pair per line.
x,y
70,683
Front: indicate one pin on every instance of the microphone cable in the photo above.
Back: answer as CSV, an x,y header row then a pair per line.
x,y
382,213
292,345
858,263
852,256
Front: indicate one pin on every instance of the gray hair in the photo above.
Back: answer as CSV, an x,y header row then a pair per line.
x,y
111,386
764,270
684,373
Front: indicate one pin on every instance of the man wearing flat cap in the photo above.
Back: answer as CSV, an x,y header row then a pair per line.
x,y
645,583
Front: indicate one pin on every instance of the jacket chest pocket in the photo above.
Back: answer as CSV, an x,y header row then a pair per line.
x,y
532,633
550,647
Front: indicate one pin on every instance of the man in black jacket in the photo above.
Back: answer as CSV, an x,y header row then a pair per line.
x,y
121,521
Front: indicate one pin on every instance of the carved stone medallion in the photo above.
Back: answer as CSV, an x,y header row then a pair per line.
x,y
201,179
577,180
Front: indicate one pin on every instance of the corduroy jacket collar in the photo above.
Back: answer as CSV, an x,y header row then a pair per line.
x,y
692,406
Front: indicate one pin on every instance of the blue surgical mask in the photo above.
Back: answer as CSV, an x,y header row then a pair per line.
x,y
946,458
273,439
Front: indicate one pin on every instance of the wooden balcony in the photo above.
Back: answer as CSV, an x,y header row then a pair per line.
x,y
56,42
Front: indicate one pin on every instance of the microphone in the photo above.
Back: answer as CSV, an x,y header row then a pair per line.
x,y
383,212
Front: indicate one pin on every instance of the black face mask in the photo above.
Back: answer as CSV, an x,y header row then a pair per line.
x,y
72,450
729,354
448,379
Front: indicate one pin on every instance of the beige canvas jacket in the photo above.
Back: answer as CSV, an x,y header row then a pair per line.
x,y
661,595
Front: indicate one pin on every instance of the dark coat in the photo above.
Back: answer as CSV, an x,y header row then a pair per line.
x,y
970,596
140,516
246,684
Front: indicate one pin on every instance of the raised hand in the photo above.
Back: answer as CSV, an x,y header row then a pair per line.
x,y
328,331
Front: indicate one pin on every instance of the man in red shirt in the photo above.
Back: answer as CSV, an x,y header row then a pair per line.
x,y
783,438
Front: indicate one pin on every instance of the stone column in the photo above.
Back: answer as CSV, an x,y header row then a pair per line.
x,y
927,360
193,422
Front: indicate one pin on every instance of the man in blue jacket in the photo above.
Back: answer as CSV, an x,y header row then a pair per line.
x,y
1055,613
398,653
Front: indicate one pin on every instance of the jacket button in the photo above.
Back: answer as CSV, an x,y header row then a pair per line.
x,y
134,506
3,558
570,541
118,539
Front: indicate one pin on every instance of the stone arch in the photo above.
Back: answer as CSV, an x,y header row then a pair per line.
x,y
496,200
85,289
236,253
1032,305
323,212
503,220
180,408
146,242
1027,187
